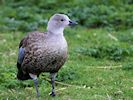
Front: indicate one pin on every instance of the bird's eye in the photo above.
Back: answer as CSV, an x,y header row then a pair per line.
x,y
62,20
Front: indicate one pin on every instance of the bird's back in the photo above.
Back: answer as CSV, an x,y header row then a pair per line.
x,y
44,52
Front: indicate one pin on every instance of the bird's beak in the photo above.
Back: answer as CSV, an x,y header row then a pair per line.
x,y
72,23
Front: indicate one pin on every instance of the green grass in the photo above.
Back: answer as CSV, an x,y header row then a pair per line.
x,y
92,77
99,65
27,16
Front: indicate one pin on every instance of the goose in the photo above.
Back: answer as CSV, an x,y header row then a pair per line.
x,y
44,51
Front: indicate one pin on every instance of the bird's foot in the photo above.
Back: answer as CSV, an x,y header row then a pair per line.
x,y
52,94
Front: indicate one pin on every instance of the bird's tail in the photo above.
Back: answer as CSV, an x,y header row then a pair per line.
x,y
21,75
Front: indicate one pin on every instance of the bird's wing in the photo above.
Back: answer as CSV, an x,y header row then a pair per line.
x,y
30,38
21,52
21,55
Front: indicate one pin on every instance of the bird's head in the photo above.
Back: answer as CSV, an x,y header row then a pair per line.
x,y
58,22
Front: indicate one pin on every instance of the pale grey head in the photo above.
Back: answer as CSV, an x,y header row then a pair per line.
x,y
58,22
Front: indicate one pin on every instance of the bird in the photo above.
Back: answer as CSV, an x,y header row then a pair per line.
x,y
44,51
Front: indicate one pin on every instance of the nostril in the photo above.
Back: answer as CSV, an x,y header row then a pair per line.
x,y
70,21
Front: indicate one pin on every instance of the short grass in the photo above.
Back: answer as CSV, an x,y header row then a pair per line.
x,y
87,77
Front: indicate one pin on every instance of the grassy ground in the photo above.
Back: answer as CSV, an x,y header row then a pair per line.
x,y
89,74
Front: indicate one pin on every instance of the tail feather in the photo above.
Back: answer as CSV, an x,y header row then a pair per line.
x,y
21,75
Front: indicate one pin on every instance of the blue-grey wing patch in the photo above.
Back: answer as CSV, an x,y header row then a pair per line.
x,y
21,55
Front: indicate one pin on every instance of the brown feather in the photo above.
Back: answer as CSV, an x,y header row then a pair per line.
x,y
44,52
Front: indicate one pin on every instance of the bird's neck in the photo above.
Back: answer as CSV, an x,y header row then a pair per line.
x,y
56,31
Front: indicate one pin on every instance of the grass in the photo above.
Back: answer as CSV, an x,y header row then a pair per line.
x,y
91,77
99,66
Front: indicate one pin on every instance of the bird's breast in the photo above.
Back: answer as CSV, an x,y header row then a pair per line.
x,y
56,45
47,55
49,50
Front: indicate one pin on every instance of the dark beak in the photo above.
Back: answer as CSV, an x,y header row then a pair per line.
x,y
72,23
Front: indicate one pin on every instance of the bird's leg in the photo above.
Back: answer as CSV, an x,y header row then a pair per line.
x,y
36,86
52,76
34,77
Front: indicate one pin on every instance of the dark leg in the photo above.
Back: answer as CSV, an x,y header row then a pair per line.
x,y
34,77
53,75
36,86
